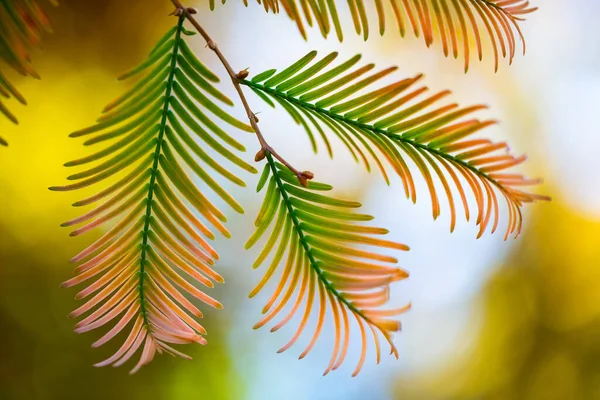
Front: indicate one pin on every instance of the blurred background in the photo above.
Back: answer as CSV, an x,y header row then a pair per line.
x,y
490,319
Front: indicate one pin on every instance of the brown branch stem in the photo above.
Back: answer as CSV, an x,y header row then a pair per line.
x,y
303,176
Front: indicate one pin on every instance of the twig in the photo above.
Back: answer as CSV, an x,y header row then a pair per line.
x,y
303,176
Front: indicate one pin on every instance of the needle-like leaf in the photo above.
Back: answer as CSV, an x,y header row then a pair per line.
x,y
22,23
460,25
140,272
400,125
313,241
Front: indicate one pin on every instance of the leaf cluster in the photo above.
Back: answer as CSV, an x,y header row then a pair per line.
x,y
455,23
147,263
22,23
315,237
165,147
399,124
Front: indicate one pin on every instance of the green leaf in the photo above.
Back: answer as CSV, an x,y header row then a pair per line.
x,y
400,125
264,76
291,70
347,280
144,267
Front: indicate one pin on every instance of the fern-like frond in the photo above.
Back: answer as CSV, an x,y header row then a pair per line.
x,y
142,268
22,23
456,23
316,235
399,123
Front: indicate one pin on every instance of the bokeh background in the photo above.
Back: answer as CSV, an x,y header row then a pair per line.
x,y
490,319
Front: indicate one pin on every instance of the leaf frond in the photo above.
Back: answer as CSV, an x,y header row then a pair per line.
x,y
313,238
399,124
139,274
22,24
460,25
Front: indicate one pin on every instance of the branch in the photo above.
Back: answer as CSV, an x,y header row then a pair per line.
x,y
303,176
